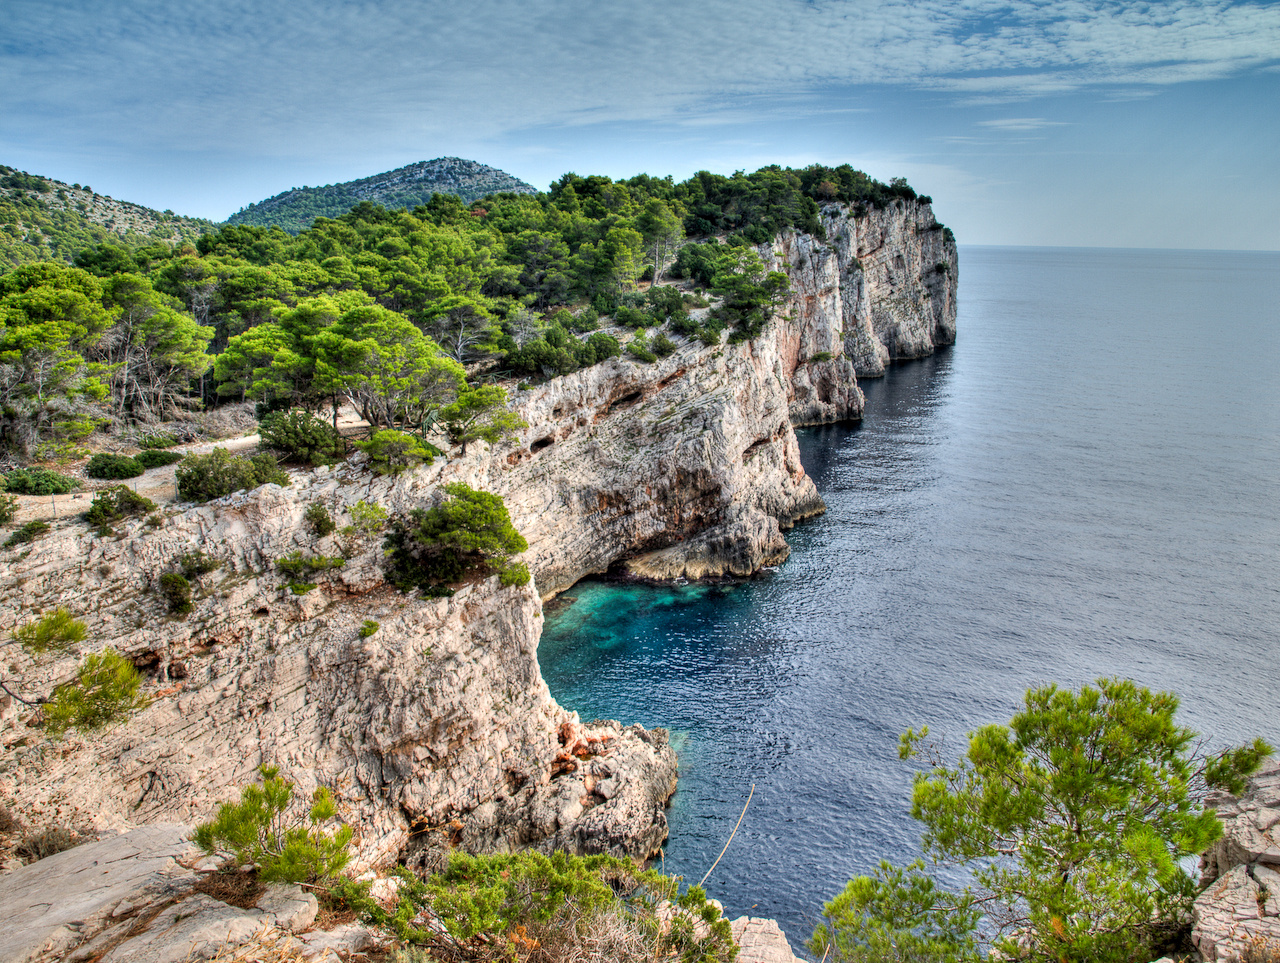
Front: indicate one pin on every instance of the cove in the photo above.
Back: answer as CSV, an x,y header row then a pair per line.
x,y
1082,486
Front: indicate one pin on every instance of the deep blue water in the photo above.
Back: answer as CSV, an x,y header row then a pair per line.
x,y
1086,484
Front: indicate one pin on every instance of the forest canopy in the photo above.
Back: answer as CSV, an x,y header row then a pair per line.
x,y
389,309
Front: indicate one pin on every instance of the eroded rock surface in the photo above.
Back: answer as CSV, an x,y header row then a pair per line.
x,y
1240,906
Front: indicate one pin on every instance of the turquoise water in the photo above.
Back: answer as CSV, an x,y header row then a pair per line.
x,y
1084,485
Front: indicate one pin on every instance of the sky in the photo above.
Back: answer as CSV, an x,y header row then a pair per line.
x,y
1103,123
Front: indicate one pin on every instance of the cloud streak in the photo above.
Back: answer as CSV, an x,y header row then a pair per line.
x,y
278,77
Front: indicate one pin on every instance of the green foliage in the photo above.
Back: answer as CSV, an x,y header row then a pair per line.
x,y
898,915
287,842
157,458
105,690
55,632
820,356
295,563
1073,822
392,452
203,477
564,904
514,573
28,533
369,628
638,348
105,465
116,503
367,518
480,414
468,531
300,436
194,564
8,509
175,589
319,520
38,481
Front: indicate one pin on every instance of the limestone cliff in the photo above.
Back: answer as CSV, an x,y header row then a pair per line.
x,y
440,720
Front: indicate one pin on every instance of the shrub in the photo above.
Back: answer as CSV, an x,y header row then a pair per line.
x,y
367,518
295,563
157,458
114,504
302,437
391,452
203,477
639,349
104,465
28,533
155,442
38,481
551,906
480,414
319,519
268,830
514,573
8,508
194,564
662,346
368,628
54,632
469,531
176,591
820,356
105,690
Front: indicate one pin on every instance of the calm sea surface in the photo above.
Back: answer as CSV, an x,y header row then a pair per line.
x,y
1087,484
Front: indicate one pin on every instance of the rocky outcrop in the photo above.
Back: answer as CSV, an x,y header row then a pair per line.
x,y
133,898
882,286
1240,906
439,719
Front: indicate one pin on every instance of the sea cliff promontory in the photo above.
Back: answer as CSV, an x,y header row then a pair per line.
x,y
439,721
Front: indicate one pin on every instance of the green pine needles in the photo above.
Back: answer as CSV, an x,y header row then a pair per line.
x,y
286,841
105,691
468,532
1073,822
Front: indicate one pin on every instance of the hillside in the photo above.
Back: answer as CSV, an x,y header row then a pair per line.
x,y
408,187
42,219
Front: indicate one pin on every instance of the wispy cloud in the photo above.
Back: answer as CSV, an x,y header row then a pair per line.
x,y
1020,125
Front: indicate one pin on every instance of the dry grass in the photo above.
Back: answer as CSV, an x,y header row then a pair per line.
x,y
233,887
1258,949
37,846
263,948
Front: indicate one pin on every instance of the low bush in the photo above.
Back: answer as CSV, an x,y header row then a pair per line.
x,y
300,436
296,564
176,591
156,442
536,906
116,504
638,348
287,842
28,533
204,477
38,481
368,628
661,345
514,573
392,452
194,564
319,520
470,531
157,458
105,465
8,508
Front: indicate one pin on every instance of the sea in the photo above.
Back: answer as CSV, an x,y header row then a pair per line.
x,y
1087,484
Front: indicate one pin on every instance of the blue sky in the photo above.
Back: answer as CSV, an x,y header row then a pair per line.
x,y
1074,122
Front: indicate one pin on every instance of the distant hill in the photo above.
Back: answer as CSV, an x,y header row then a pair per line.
x,y
408,187
44,219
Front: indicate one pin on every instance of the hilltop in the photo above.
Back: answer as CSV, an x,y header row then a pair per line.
x,y
43,219
295,209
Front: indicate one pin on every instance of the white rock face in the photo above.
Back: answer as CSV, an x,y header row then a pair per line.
x,y
1240,907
